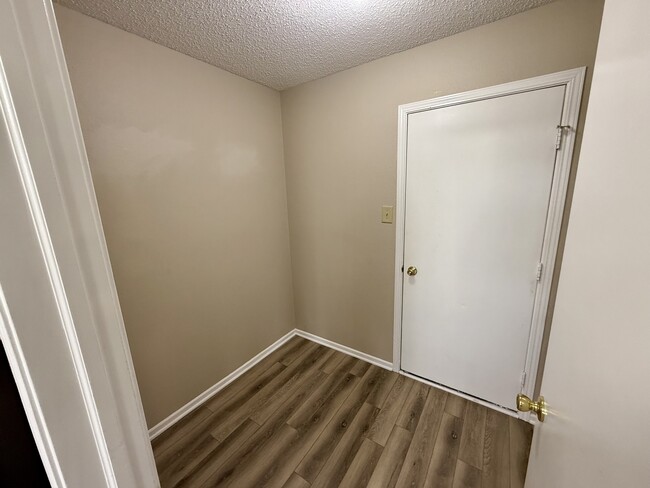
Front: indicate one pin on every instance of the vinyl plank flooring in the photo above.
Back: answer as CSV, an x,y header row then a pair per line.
x,y
296,346
262,411
392,457
409,416
360,368
289,354
338,463
264,464
385,381
190,461
362,466
473,438
209,463
179,430
294,371
466,476
244,388
314,460
295,481
521,437
455,406
445,453
496,451
383,426
418,457
259,441
274,469
307,415
189,442
330,387
333,362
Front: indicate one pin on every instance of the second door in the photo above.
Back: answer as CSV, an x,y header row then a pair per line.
x,y
478,181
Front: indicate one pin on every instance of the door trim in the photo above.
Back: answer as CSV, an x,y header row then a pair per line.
x,y
60,193
573,80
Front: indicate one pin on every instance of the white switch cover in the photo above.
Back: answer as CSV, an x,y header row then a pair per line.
x,y
387,214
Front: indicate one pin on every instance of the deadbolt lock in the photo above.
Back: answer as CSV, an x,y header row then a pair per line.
x,y
411,271
525,404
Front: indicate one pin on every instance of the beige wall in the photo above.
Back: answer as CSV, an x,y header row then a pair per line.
x,y
340,136
188,168
187,162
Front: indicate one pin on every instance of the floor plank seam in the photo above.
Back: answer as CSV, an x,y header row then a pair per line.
x,y
247,437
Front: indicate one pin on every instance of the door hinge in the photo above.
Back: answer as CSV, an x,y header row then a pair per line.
x,y
538,273
523,379
558,137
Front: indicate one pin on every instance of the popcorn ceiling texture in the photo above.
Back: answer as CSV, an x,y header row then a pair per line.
x,y
282,43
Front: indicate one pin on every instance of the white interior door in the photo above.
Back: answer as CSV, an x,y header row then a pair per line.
x,y
478,181
596,379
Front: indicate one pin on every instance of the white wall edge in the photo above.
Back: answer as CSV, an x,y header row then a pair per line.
x,y
29,395
346,350
76,255
166,423
19,365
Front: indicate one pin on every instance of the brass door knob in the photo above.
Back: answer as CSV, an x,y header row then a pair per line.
x,y
525,404
411,271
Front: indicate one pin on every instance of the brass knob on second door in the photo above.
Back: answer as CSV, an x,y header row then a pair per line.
x,y
525,404
411,271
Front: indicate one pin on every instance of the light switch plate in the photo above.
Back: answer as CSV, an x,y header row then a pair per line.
x,y
387,214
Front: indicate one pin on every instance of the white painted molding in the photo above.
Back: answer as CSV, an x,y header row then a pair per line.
x,y
7,109
573,80
166,423
382,363
60,193
28,395
76,181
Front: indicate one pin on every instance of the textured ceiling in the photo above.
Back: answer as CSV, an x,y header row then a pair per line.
x,y
282,43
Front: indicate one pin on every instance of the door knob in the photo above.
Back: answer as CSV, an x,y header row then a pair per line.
x,y
525,404
411,271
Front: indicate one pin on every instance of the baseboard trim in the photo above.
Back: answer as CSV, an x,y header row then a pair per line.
x,y
165,424
346,350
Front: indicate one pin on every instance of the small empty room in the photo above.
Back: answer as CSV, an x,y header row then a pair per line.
x,y
339,243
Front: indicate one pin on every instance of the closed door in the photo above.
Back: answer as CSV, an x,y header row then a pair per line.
x,y
478,181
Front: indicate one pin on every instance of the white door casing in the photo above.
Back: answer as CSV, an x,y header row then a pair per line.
x,y
479,177
597,373
60,321
556,98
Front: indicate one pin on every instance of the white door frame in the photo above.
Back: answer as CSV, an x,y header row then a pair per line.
x,y
38,107
574,81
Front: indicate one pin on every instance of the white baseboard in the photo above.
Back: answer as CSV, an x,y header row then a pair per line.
x,y
159,428
165,424
346,350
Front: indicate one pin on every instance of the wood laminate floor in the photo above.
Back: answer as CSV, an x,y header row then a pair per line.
x,y
310,416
